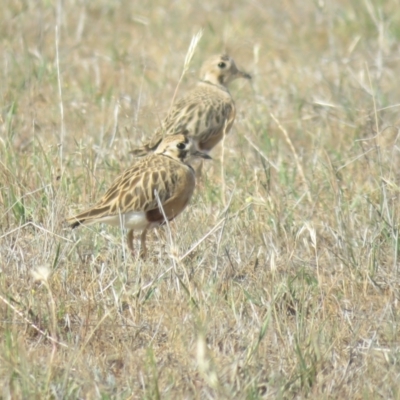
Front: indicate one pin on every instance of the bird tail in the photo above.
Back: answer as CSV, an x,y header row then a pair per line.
x,y
74,224
140,151
87,217
147,148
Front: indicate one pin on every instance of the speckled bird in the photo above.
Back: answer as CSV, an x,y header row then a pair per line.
x,y
131,200
206,113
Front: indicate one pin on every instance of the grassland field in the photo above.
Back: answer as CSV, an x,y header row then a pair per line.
x,y
281,280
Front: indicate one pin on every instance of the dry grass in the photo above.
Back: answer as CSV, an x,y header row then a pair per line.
x,y
294,293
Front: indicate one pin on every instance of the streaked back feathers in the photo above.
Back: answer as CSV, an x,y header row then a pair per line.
x,y
206,113
167,171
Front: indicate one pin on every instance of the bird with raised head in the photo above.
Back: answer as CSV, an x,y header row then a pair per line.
x,y
206,113
164,177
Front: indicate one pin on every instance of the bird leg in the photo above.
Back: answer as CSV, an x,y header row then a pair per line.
x,y
143,249
130,242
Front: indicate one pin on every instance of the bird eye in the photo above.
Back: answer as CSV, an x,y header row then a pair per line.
x,y
221,65
181,146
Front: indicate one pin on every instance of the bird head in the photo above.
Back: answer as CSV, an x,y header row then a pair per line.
x,y
221,70
180,147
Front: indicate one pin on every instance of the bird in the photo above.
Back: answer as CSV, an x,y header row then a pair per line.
x,y
206,113
164,177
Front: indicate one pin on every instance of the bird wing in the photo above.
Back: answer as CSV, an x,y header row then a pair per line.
x,y
198,115
134,190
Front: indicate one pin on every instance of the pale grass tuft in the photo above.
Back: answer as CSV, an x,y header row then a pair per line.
x,y
189,55
192,47
41,273
204,363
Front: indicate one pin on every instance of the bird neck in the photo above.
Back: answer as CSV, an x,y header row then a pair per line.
x,y
217,85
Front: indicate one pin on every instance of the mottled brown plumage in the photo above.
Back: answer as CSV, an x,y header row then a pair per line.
x,y
206,113
131,200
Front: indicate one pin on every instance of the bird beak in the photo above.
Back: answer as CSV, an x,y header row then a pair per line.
x,y
244,75
201,155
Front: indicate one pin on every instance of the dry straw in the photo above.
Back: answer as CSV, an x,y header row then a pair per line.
x,y
189,55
